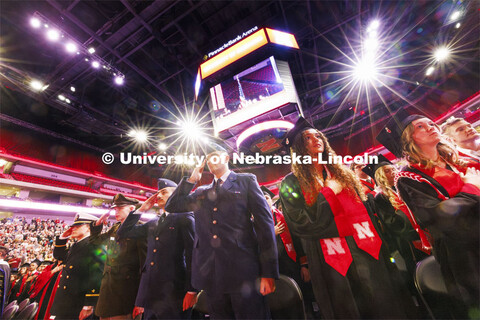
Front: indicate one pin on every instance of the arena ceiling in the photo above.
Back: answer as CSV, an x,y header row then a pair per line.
x,y
159,45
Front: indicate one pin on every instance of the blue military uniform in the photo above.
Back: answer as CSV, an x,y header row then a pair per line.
x,y
165,276
231,250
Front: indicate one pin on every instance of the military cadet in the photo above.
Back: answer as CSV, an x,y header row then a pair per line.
x,y
125,257
77,290
165,290
232,253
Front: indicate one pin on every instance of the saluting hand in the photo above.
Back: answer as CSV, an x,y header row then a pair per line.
x,y
197,173
66,234
103,219
149,203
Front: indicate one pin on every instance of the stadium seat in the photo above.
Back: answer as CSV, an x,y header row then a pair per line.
x,y
287,300
28,313
9,312
285,303
23,304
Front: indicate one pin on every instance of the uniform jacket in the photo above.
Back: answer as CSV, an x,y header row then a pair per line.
x,y
169,254
121,274
80,279
231,250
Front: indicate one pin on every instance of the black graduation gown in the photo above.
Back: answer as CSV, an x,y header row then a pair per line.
x,y
398,232
454,225
366,291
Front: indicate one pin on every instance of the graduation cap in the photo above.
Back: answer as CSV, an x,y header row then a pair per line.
x,y
370,169
265,190
25,265
47,263
300,126
165,183
120,200
37,262
391,134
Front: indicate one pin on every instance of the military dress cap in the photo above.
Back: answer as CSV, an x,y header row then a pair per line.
x,y
391,134
213,146
265,190
83,218
165,183
371,168
301,125
120,200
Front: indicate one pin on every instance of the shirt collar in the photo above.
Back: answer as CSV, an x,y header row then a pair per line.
x,y
224,177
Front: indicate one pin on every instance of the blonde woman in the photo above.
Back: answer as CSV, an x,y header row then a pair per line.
x,y
322,204
443,194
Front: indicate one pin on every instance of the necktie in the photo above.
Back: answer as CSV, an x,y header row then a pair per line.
x,y
218,185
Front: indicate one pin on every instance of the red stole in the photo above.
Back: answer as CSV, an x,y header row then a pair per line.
x,y
285,235
449,180
352,219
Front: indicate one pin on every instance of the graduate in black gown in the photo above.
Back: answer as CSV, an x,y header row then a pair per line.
x,y
323,206
443,193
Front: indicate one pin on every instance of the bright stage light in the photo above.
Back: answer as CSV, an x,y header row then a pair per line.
x,y
71,47
455,15
132,133
162,146
457,25
95,64
365,70
61,97
141,136
72,88
36,85
191,130
53,35
34,22
67,100
441,54
373,26
429,71
91,50
119,80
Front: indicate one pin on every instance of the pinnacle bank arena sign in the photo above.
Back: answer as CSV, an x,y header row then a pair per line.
x,y
242,45
231,42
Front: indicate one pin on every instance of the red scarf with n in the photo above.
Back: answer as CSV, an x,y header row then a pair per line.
x,y
285,235
352,219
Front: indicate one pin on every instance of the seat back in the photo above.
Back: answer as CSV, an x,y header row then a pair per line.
x,y
14,302
23,304
286,302
28,313
428,277
9,312
202,305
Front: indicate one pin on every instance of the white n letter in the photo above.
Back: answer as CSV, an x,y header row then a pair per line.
x,y
334,246
363,230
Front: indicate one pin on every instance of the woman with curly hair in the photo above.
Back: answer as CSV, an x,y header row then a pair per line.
x,y
323,206
443,193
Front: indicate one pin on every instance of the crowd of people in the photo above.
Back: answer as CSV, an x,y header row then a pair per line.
x,y
332,229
